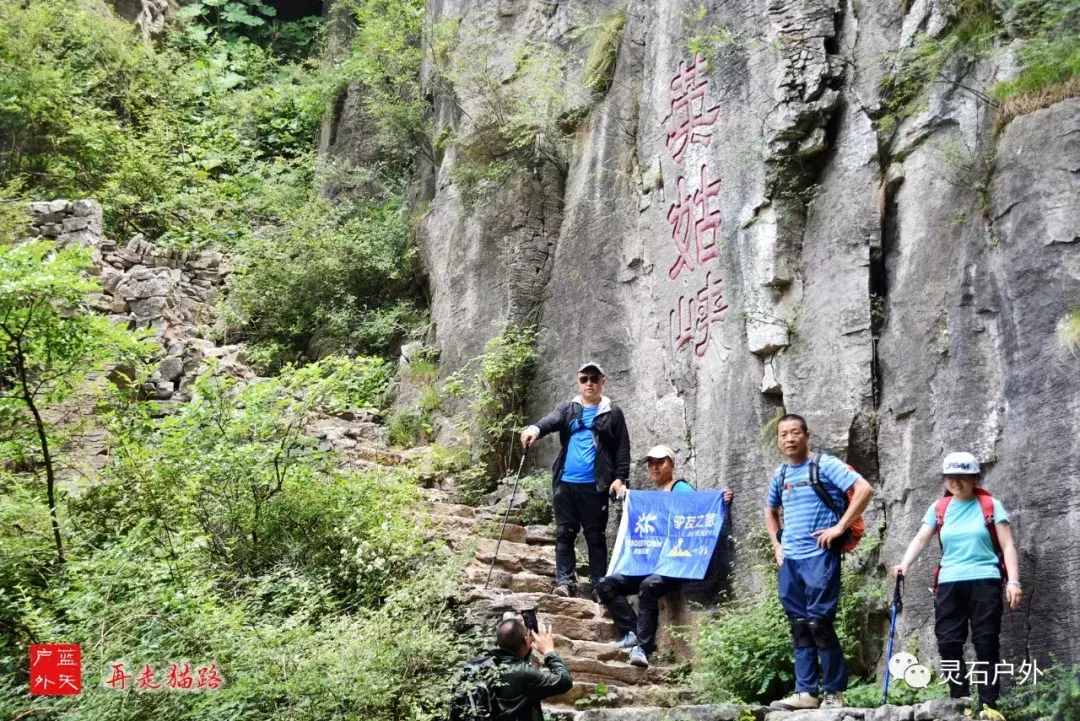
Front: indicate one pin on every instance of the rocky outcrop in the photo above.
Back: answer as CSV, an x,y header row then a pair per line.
x,y
149,16
170,293
738,231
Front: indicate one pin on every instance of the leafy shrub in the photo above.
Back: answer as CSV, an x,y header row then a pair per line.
x,y
497,392
868,694
744,653
1051,54
600,63
1068,330
1055,696
235,464
330,279
408,428
537,510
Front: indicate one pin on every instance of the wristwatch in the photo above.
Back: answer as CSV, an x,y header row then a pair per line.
x,y
1013,583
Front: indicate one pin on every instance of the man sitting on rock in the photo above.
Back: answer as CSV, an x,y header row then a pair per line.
x,y
637,631
521,686
595,459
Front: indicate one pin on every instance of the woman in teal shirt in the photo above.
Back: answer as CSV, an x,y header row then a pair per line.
x,y
969,579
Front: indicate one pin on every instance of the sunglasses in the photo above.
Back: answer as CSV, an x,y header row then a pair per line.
x,y
590,378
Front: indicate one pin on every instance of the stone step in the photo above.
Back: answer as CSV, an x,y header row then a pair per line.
x,y
523,582
572,627
540,535
617,672
436,495
460,530
616,695
446,508
517,557
712,712
599,650
546,604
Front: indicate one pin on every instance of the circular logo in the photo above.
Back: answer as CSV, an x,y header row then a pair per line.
x,y
917,676
901,662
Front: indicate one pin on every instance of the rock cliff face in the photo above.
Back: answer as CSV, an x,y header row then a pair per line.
x,y
739,226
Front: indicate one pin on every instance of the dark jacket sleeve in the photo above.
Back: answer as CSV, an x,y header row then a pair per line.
x,y
622,446
552,680
552,421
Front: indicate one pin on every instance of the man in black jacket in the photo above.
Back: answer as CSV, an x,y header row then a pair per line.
x,y
594,461
521,686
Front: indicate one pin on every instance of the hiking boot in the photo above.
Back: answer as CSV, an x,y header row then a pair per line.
x,y
627,641
833,700
796,701
990,714
638,657
563,589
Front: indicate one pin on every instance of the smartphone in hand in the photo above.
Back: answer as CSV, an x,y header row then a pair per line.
x,y
528,616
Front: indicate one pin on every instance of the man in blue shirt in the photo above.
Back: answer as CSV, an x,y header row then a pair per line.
x,y
809,563
594,460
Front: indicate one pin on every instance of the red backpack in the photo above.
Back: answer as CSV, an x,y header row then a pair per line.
x,y
986,503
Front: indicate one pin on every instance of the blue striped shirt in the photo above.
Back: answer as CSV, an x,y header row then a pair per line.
x,y
804,512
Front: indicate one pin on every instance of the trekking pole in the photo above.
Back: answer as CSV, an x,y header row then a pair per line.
x,y
506,516
897,608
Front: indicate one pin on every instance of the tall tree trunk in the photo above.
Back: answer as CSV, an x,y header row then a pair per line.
x,y
39,424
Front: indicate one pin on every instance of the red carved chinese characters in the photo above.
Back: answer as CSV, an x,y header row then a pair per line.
x,y
694,217
688,120
694,315
693,225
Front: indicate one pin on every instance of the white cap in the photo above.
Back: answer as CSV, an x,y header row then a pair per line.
x,y
661,451
960,463
590,364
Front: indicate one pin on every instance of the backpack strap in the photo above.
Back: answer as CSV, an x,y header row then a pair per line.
x,y
819,489
986,505
684,482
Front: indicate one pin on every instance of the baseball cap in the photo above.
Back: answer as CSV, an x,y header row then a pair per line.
x,y
595,366
960,463
661,451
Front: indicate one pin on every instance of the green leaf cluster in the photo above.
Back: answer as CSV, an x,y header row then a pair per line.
x,y
1054,695
1050,54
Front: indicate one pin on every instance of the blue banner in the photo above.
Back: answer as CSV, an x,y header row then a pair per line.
x,y
673,534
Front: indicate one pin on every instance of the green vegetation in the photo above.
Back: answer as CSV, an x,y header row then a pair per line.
x,y
537,509
868,694
706,44
1056,695
1049,57
600,63
1049,31
207,139
1068,331
49,342
222,531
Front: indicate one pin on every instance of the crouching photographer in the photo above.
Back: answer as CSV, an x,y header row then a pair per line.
x,y
505,683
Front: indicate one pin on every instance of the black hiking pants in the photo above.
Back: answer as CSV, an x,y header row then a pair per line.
x,y
978,605
579,507
613,591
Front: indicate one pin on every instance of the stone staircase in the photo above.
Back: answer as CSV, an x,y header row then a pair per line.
x,y
522,578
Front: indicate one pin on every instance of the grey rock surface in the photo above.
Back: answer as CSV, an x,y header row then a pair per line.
x,y
737,235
